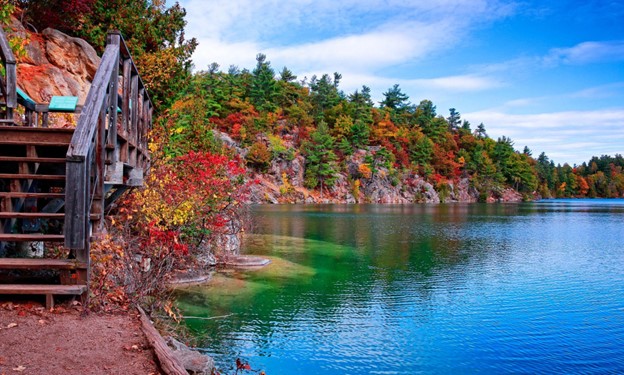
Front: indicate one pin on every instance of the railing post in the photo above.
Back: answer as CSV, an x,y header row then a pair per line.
x,y
10,84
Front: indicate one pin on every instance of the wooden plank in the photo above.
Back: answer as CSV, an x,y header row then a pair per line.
x,y
38,263
5,49
34,143
34,136
18,237
24,159
19,194
42,289
28,176
127,98
76,191
31,215
168,362
87,123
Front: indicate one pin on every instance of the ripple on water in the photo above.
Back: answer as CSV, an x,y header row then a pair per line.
x,y
529,288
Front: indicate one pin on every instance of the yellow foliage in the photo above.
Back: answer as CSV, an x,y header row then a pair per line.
x,y
365,170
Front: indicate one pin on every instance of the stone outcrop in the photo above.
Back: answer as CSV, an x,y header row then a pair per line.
x,y
55,64
283,182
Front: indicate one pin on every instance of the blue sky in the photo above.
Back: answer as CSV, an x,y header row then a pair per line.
x,y
549,75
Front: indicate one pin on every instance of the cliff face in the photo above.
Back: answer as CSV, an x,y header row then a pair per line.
x,y
283,182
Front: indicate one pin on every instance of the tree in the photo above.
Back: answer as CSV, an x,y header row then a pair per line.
x,y
453,119
324,94
321,159
287,75
263,88
395,99
480,131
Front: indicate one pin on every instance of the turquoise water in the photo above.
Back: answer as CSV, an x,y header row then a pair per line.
x,y
398,289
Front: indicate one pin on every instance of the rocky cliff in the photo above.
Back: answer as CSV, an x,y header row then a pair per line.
x,y
283,182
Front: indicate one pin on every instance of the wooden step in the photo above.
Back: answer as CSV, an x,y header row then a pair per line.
x,y
21,135
31,215
38,215
17,194
48,290
35,237
42,289
25,176
24,159
40,263
33,143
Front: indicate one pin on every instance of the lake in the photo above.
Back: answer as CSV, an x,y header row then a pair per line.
x,y
405,289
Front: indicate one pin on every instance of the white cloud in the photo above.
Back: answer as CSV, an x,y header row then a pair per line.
x,y
558,133
349,36
587,52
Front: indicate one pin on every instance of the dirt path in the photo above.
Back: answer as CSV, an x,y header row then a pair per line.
x,y
36,341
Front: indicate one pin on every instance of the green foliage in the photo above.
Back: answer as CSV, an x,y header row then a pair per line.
x,y
321,160
263,90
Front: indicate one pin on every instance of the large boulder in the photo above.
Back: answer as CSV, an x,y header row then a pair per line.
x,y
55,64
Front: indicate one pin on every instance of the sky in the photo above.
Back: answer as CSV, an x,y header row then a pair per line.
x,y
547,74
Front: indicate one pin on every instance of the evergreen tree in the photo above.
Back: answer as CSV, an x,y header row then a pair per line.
x,y
453,119
395,99
480,132
263,85
321,160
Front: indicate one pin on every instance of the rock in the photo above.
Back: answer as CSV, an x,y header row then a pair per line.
x,y
193,361
73,54
55,64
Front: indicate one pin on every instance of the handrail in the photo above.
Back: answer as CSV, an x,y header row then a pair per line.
x,y
109,146
8,84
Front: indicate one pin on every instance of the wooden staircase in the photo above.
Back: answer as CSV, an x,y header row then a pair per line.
x,y
32,199
55,184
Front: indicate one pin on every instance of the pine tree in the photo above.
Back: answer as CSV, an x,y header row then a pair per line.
x,y
263,86
321,159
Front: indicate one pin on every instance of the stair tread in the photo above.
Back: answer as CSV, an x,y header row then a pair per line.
x,y
37,215
42,289
40,263
20,237
31,215
25,159
18,194
35,143
37,130
28,176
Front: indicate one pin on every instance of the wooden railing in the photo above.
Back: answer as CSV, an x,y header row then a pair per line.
x,y
8,81
108,150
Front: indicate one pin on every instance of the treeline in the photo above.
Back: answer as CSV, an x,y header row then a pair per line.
x,y
264,111
600,177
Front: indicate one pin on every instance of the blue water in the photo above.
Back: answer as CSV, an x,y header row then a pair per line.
x,y
397,289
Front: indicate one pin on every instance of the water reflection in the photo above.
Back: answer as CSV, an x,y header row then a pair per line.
x,y
422,288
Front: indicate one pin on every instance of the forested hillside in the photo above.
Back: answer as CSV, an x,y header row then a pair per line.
x,y
266,112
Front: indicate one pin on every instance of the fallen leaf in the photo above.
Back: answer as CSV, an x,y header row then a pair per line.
x,y
19,368
2,361
11,325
